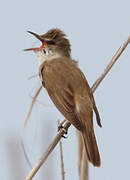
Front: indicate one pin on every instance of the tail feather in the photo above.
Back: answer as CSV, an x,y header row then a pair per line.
x,y
91,147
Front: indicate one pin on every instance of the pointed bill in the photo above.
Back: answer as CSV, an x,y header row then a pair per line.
x,y
38,37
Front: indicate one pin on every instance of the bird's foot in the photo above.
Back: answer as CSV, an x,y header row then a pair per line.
x,y
60,126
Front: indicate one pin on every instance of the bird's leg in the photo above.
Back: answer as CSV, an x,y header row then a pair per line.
x,y
60,126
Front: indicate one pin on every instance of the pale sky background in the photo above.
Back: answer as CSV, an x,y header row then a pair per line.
x,y
96,30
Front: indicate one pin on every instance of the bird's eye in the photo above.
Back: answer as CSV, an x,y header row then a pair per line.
x,y
50,42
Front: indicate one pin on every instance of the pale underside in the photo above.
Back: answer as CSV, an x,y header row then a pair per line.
x,y
46,55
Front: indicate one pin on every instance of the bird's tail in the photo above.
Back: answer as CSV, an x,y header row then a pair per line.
x,y
91,147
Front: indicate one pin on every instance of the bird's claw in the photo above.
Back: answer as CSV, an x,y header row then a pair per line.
x,y
60,127
65,132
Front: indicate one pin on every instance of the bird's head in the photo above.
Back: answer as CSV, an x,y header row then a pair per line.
x,y
53,42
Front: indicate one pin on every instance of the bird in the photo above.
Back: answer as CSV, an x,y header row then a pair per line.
x,y
67,87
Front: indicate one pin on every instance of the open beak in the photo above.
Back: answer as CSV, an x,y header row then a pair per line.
x,y
38,37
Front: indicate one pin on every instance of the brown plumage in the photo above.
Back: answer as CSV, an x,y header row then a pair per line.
x,y
59,39
69,90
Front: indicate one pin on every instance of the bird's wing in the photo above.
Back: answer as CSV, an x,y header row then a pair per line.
x,y
60,92
60,83
63,100
95,109
91,96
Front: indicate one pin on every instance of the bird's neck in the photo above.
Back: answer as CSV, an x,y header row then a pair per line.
x,y
46,55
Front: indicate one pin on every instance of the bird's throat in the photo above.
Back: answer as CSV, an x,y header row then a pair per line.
x,y
46,55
